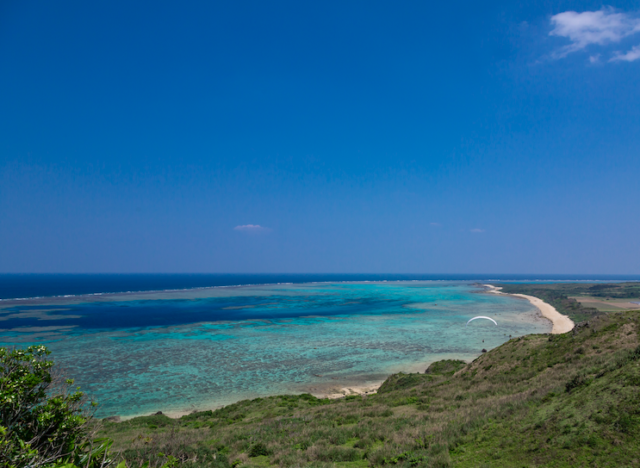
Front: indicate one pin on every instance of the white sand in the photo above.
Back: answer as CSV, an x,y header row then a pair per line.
x,y
561,323
352,390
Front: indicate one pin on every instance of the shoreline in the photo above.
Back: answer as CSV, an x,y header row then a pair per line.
x,y
560,323
330,390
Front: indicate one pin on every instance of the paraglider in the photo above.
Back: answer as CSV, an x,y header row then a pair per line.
x,y
482,317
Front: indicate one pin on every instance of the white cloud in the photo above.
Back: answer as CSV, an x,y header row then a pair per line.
x,y
606,26
594,58
477,230
251,228
630,56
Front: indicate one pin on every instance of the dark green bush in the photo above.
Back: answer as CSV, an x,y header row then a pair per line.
x,y
258,449
445,367
577,381
159,420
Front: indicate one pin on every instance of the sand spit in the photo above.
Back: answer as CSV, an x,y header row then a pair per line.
x,y
561,323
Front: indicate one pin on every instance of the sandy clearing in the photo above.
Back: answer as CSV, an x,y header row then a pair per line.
x,y
607,305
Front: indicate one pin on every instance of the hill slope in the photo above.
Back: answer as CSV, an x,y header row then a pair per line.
x,y
539,400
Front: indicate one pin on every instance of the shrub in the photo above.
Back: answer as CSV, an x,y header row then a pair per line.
x,y
304,445
577,381
42,418
258,450
445,367
402,381
627,423
159,420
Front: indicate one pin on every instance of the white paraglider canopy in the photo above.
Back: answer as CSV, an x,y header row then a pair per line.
x,y
482,317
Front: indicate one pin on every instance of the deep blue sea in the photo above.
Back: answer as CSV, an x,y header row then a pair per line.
x,y
43,285
176,343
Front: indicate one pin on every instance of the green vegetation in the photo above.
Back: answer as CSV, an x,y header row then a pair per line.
x,y
42,421
539,400
558,296
445,367
563,296
605,290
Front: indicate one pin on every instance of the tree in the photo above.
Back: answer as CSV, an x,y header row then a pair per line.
x,y
43,418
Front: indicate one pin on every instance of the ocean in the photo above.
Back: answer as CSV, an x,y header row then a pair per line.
x,y
177,343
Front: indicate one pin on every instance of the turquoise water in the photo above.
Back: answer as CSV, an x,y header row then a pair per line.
x,y
139,353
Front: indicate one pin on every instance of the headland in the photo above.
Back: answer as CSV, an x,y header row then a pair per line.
x,y
561,323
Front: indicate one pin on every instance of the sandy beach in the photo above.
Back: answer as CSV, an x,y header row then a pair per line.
x,y
561,323
349,390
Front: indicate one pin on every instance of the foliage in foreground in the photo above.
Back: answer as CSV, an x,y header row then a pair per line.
x,y
538,400
42,421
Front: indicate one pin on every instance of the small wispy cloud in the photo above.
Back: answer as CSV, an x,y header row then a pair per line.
x,y
600,28
630,56
477,230
435,224
251,228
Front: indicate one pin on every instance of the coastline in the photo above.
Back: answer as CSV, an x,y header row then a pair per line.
x,y
329,390
354,383
561,323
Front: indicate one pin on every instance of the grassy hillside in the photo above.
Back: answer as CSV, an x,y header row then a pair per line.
x,y
539,400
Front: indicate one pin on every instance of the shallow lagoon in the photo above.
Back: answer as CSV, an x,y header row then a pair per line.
x,y
177,351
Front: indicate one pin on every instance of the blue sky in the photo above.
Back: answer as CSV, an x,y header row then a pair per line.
x,y
460,137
